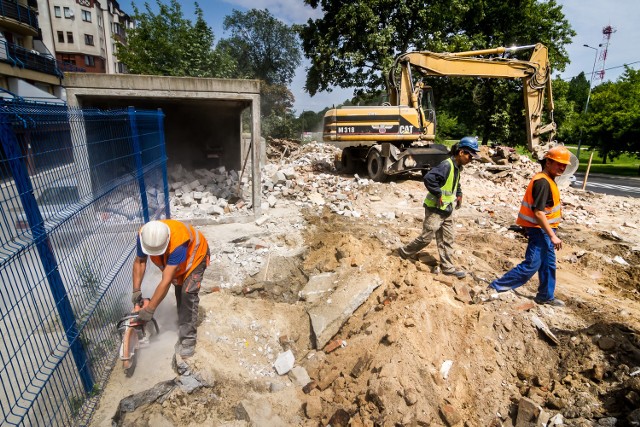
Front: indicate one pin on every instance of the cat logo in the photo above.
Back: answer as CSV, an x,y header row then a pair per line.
x,y
406,130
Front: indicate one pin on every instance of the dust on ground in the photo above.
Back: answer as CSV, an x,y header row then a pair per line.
x,y
416,352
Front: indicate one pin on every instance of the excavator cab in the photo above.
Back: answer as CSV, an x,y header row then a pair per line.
x,y
427,111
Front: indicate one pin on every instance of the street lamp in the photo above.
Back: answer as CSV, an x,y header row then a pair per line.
x,y
586,105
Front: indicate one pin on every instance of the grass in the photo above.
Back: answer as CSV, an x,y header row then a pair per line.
x,y
625,165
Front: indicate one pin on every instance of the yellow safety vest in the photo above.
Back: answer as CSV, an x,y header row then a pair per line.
x,y
527,217
448,190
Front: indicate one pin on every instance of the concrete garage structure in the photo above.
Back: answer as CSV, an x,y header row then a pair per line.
x,y
203,117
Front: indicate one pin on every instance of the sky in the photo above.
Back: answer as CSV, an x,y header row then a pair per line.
x,y
587,18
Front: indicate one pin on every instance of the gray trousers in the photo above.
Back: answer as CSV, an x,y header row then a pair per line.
x,y
187,300
442,228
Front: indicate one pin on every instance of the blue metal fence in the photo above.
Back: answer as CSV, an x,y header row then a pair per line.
x,y
75,186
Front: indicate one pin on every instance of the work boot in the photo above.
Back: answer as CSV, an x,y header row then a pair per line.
x,y
402,254
555,302
457,273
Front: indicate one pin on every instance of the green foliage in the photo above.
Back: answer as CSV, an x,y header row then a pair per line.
x,y
566,113
167,44
280,126
612,124
354,45
265,49
578,91
447,127
625,164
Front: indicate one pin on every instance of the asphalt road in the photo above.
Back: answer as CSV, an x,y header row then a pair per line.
x,y
610,184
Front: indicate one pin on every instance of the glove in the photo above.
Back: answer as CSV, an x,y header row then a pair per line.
x,y
458,202
146,314
136,297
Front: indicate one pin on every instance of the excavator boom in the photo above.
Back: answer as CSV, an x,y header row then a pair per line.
x,y
534,73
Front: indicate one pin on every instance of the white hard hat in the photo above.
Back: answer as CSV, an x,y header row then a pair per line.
x,y
154,238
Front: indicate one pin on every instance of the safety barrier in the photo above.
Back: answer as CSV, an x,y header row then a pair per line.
x,y
75,187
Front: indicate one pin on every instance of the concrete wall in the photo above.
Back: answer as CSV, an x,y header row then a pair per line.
x,y
203,126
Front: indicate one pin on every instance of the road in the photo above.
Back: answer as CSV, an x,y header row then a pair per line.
x,y
610,184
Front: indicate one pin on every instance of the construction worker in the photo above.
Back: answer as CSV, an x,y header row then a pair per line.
x,y
182,253
540,214
443,185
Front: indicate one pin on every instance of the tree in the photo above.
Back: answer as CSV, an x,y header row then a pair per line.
x,y
567,110
167,44
578,91
612,124
266,49
354,45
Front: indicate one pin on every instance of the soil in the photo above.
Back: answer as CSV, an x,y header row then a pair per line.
x,y
417,352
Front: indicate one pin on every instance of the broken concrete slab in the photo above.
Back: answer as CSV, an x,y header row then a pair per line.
x,y
318,286
258,412
131,403
327,316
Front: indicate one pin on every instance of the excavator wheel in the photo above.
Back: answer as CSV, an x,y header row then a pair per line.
x,y
347,162
375,166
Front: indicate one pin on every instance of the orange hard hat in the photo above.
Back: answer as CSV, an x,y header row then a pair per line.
x,y
560,154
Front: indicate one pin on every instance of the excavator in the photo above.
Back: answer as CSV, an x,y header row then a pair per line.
x,y
398,136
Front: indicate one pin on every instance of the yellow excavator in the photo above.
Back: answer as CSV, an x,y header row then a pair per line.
x,y
398,136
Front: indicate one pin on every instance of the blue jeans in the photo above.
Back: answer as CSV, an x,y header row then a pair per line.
x,y
540,257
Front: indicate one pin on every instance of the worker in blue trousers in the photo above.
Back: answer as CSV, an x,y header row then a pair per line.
x,y
540,214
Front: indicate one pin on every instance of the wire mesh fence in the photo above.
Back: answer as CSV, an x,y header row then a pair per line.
x,y
75,186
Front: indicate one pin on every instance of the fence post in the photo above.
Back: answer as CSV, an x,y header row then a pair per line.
x,y
165,179
47,257
137,152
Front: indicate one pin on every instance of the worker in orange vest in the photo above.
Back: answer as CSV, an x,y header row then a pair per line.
x,y
182,253
540,214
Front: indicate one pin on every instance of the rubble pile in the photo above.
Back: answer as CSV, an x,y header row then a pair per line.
x,y
311,319
206,192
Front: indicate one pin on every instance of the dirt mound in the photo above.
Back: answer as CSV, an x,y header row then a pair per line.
x,y
416,352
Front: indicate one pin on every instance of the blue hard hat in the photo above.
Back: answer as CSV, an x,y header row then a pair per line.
x,y
470,144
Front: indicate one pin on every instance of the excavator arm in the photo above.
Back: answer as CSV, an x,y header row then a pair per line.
x,y
534,73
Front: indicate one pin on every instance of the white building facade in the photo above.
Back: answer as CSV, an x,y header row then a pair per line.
x,y
83,33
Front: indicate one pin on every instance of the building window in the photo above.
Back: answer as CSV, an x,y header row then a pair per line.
x,y
89,61
68,13
60,37
86,16
69,59
99,20
88,39
69,37
57,11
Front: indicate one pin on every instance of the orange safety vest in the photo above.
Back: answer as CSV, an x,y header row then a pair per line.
x,y
527,217
179,233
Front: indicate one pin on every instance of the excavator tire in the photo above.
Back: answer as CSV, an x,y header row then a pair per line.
x,y
347,162
375,166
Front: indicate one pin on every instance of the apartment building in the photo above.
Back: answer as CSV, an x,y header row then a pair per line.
x,y
83,33
28,69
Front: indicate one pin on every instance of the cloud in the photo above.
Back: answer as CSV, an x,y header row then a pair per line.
x,y
289,11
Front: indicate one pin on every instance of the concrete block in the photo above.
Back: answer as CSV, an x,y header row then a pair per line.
x,y
326,319
284,362
318,286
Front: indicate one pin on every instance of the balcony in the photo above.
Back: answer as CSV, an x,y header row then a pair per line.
x,y
20,15
67,66
18,56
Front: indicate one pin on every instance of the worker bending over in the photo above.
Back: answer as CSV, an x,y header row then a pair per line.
x,y
182,254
